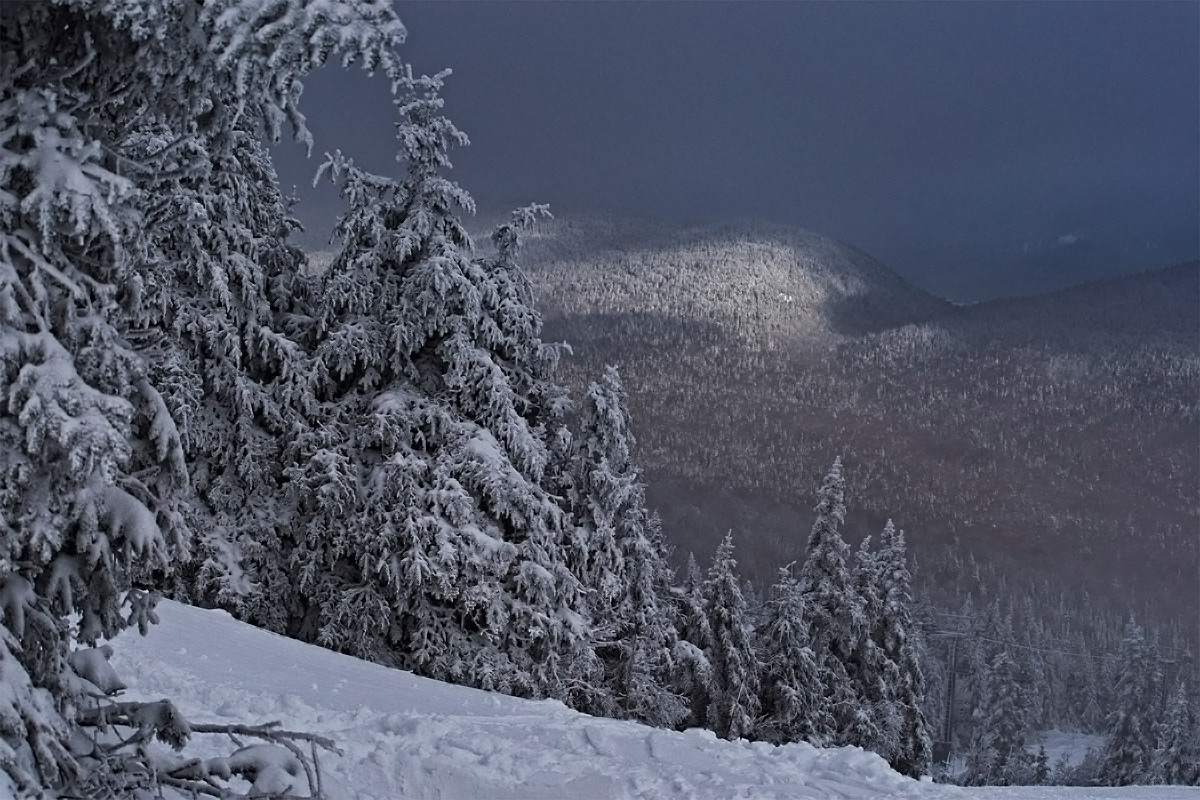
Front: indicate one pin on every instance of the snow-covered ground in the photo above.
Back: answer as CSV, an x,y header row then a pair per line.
x,y
411,737
1079,793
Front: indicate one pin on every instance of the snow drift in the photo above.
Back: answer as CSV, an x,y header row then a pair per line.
x,y
405,736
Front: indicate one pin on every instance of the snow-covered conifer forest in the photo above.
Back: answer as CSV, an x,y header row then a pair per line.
x,y
384,457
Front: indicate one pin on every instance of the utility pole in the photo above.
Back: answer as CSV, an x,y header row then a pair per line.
x,y
943,750
951,685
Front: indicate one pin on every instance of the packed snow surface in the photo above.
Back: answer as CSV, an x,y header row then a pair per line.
x,y
410,737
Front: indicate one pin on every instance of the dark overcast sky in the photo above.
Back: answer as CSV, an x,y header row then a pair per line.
x,y
976,148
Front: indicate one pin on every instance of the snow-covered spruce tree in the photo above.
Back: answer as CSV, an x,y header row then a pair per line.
x,y
1177,758
791,694
80,531
909,740
1043,688
832,610
94,481
1060,772
997,755
1083,691
1041,767
694,677
869,670
607,494
219,277
212,225
625,569
232,379
1129,750
646,690
428,537
733,707
756,608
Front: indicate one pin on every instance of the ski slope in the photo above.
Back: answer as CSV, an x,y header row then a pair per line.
x,y
410,737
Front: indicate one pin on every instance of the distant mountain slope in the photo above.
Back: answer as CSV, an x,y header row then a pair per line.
x,y
1157,307
1068,421
768,286
1055,435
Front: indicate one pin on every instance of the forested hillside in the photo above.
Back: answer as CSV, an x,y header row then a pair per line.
x,y
1056,434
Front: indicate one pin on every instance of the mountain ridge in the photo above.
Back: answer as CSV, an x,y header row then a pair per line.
x,y
1002,427
793,286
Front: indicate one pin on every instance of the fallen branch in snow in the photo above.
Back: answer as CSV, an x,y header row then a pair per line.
x,y
270,732
268,728
277,767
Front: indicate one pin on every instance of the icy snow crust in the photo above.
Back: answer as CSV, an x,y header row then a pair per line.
x,y
410,737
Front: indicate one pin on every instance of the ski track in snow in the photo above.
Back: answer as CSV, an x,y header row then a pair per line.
x,y
408,737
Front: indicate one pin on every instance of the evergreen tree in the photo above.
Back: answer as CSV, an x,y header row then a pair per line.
x,y
1177,758
1042,687
694,679
733,708
832,610
693,615
625,569
1129,750
1041,767
792,704
81,531
1079,691
232,378
997,756
214,269
110,113
645,688
1091,714
756,609
1061,773
875,723
908,730
429,537
609,499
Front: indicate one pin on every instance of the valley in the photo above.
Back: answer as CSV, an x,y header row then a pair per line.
x,y
1051,437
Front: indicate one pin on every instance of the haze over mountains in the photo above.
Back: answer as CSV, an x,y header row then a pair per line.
x,y
1052,437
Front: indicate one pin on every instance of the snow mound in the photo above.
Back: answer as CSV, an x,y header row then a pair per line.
x,y
405,736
